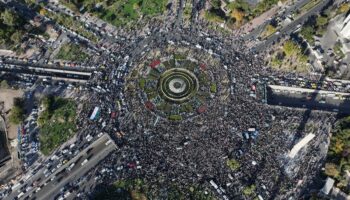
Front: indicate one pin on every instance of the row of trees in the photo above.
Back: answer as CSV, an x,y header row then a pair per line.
x,y
338,160
317,24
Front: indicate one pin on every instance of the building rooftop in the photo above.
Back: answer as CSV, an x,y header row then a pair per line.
x,y
327,186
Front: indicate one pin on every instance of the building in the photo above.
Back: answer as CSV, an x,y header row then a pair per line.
x,y
224,8
345,30
346,47
5,155
339,195
327,186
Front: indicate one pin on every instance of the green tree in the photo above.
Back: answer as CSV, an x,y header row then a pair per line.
x,y
30,2
269,30
321,21
303,58
9,18
17,113
308,32
4,84
142,83
331,170
338,49
276,62
238,15
290,48
345,7
233,164
250,190
216,3
16,37
213,88
175,117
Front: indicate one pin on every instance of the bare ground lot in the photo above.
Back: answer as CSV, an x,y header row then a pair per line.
x,y
6,102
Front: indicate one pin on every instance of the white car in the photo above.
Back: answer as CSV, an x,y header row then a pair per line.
x,y
100,134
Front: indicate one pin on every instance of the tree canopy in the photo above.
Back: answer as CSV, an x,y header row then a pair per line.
x,y
290,48
17,113
9,18
4,84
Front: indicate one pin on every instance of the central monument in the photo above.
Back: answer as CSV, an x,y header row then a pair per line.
x,y
177,85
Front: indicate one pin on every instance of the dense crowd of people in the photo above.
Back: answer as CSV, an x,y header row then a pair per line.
x,y
195,151
236,125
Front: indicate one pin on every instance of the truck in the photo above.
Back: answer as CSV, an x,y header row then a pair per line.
x,y
213,184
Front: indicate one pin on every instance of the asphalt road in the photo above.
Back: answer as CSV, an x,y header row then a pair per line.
x,y
178,19
29,14
290,27
311,100
54,75
42,66
99,151
257,31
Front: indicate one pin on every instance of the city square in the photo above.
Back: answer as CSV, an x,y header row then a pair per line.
x,y
174,100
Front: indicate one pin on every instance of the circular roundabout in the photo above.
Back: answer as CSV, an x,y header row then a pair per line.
x,y
177,85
